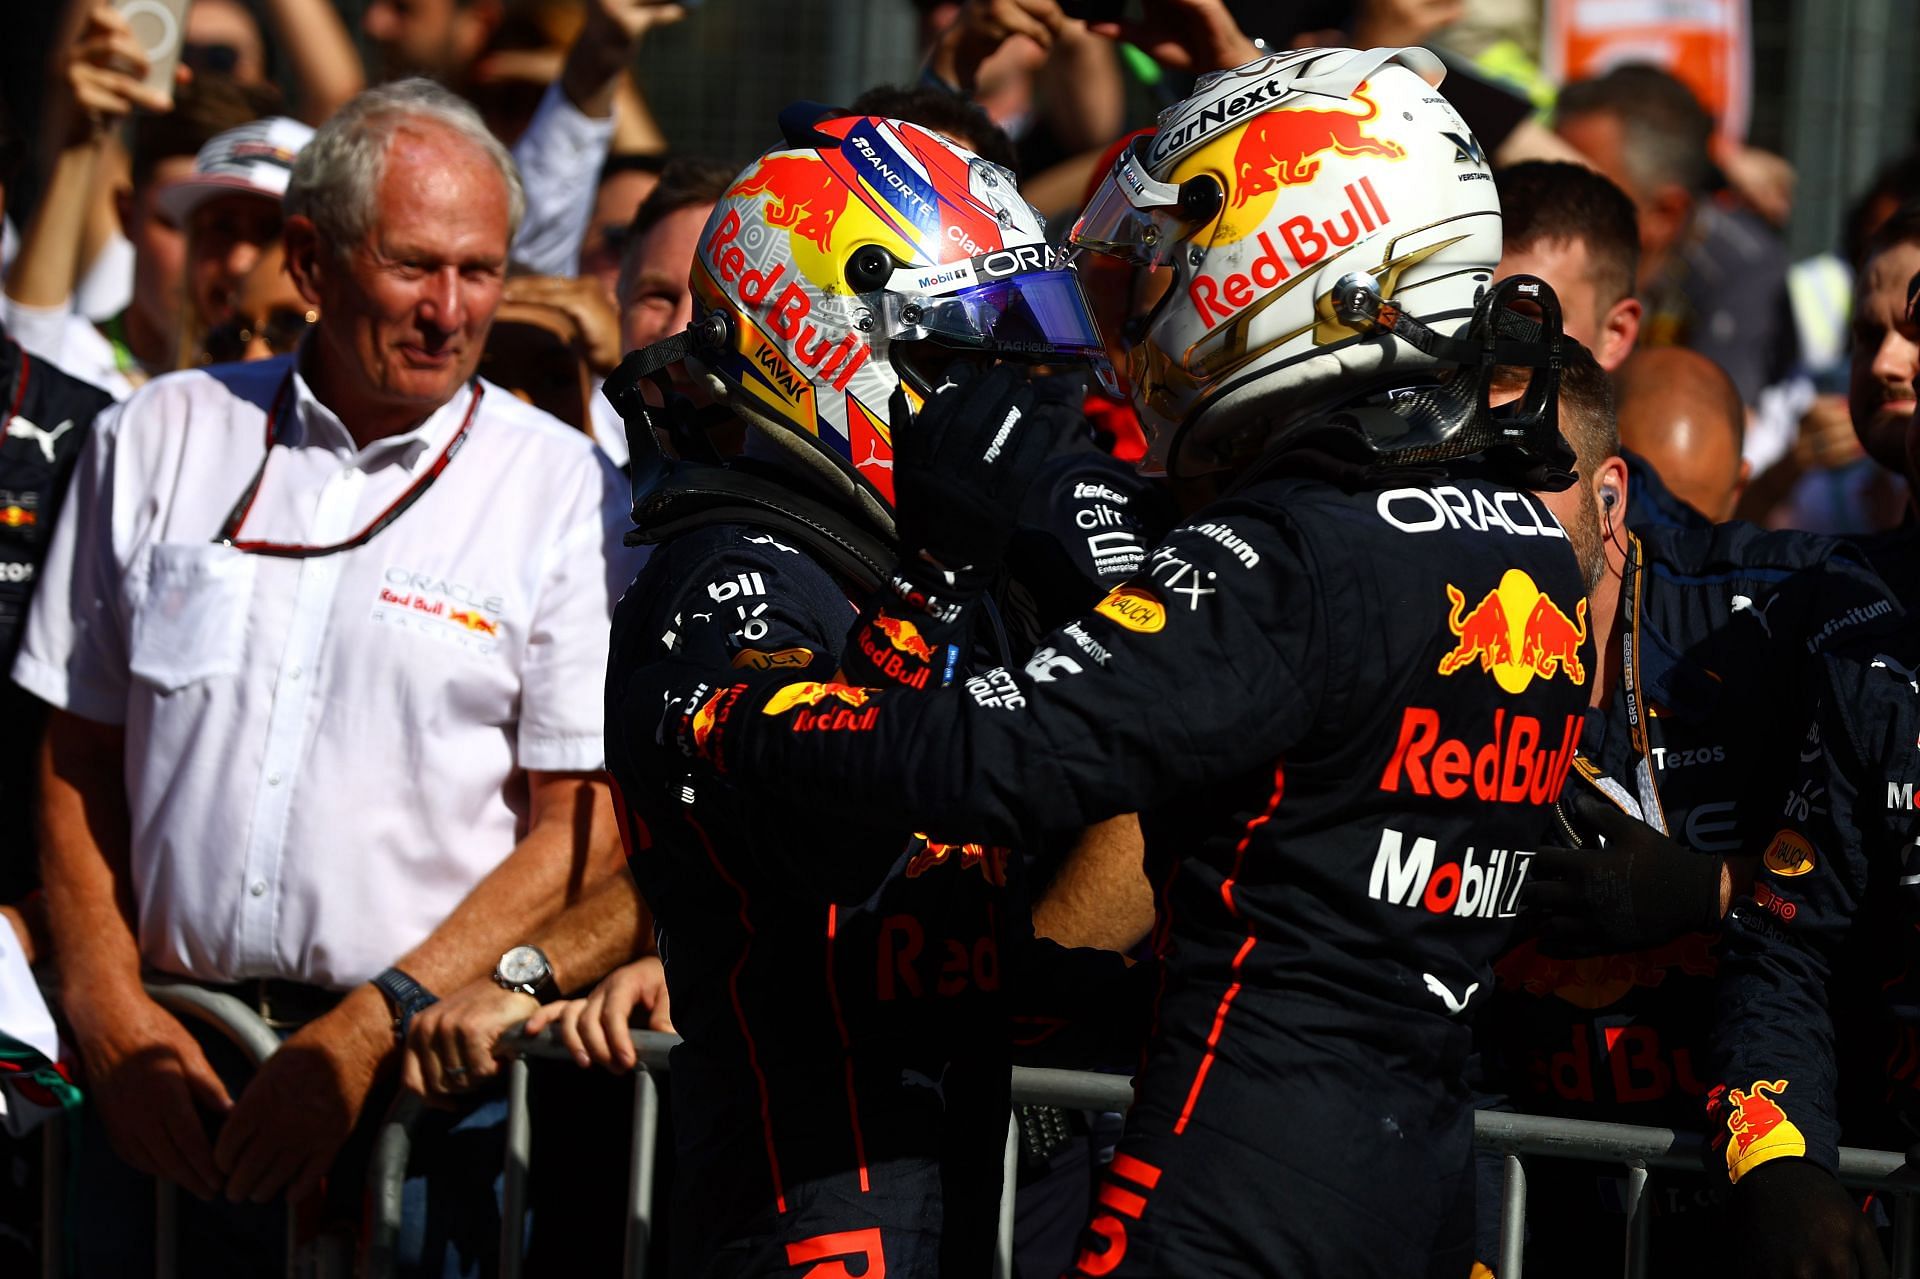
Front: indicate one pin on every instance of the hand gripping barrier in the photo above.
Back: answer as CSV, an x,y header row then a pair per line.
x,y
257,1040
1636,1149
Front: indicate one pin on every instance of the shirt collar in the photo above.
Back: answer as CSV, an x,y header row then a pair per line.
x,y
313,424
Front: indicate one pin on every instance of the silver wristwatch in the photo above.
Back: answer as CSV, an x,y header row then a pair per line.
x,y
525,969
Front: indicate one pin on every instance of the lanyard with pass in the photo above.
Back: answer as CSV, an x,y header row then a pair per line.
x,y
1646,805
230,528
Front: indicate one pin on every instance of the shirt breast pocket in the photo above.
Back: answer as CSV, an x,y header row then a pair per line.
x,y
191,623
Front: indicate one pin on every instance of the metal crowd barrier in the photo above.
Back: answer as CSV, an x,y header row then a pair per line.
x,y
257,1040
1514,1136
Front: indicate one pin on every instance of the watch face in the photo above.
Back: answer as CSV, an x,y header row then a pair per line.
x,y
523,966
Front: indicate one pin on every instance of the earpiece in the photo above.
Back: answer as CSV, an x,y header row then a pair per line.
x,y
1609,498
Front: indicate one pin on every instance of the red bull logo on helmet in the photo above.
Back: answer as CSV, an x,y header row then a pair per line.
x,y
1758,1130
788,312
1283,148
803,195
1515,633
1303,243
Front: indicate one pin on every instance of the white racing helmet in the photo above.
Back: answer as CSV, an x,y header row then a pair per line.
x,y
1304,203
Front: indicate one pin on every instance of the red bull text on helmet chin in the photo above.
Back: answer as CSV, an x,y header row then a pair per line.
x,y
788,312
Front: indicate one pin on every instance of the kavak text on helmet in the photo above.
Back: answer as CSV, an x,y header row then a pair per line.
x,y
1262,192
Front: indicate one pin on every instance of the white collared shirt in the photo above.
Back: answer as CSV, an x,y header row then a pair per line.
x,y
325,755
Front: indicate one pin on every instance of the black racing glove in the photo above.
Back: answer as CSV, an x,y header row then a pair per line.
x,y
1789,1219
1636,890
961,467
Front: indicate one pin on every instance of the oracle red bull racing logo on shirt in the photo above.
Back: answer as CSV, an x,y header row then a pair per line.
x,y
1515,633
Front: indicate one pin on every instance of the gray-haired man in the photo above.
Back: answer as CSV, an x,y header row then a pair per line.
x,y
325,636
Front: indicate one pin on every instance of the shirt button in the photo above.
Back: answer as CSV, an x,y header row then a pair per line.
x,y
293,672
273,779
258,887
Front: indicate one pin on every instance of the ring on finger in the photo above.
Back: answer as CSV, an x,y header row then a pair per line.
x,y
457,1075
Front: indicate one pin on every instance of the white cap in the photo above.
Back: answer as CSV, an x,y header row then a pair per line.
x,y
254,159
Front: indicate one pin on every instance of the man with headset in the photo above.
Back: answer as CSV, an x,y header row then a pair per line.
x,y
1701,634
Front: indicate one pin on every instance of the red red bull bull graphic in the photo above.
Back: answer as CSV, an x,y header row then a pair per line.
x,y
803,194
1515,633
1599,981
898,650
1758,1130
1514,764
473,622
18,517
810,693
1283,148
1303,243
712,716
1408,875
990,858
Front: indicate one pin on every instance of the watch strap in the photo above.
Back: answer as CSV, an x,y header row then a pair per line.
x,y
405,996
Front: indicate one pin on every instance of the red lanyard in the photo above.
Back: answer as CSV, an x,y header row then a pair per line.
x,y
229,531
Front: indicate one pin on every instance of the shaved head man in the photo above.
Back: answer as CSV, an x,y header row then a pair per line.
x,y
1682,413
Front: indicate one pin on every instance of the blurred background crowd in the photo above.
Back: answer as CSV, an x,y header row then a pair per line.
x,y
1762,143
1749,155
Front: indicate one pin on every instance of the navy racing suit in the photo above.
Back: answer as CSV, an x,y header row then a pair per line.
x,y
848,991
1339,711
1724,620
1818,1023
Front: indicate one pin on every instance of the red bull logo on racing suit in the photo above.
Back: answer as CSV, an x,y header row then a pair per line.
x,y
1515,633
890,642
1758,1130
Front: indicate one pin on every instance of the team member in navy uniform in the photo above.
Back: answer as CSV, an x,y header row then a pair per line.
x,y
842,984
47,415
1341,697
1818,1021
1702,635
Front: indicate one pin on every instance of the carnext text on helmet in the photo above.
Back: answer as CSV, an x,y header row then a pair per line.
x,y
1215,114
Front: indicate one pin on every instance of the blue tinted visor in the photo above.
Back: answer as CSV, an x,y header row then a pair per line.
x,y
1036,317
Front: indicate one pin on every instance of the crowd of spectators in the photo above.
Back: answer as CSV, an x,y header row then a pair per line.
x,y
321,727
